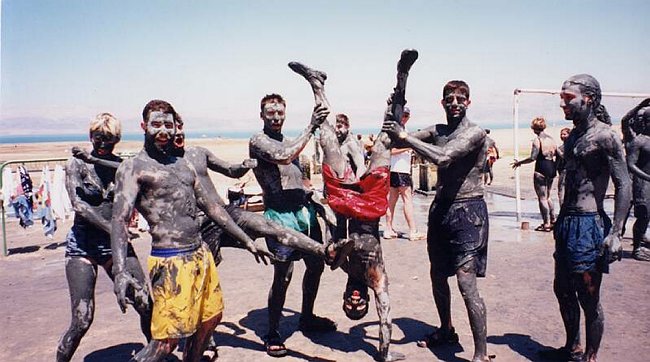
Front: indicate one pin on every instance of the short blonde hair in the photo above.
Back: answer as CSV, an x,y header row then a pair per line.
x,y
538,124
106,123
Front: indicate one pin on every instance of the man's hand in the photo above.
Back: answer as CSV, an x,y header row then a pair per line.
x,y
392,128
515,164
82,154
319,115
260,254
121,284
249,163
613,244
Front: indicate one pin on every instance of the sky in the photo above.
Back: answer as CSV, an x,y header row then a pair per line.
x,y
62,62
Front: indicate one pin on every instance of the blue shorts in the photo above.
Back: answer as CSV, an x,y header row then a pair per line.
x,y
458,234
579,243
91,242
303,219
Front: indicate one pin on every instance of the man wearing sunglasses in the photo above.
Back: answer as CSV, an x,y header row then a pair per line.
x,y
457,232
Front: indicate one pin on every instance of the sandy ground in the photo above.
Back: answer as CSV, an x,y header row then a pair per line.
x,y
523,316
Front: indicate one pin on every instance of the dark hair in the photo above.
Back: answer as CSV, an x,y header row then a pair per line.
x,y
158,105
454,85
590,87
343,119
487,130
270,98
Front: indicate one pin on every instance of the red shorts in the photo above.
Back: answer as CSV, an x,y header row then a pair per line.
x,y
364,200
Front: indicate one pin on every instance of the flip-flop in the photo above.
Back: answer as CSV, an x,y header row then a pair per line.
x,y
544,228
389,235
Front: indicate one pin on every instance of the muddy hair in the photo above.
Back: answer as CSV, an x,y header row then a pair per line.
x,y
342,118
158,105
270,98
590,87
454,85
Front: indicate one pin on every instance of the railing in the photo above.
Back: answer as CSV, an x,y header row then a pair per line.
x,y
34,165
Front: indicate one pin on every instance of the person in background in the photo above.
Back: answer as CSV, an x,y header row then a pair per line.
x,y
542,153
401,185
561,165
492,157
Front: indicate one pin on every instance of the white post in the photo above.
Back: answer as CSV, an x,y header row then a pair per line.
x,y
515,117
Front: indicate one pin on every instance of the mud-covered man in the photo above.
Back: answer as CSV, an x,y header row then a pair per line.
x,y
638,163
167,192
592,152
359,198
457,236
88,244
288,203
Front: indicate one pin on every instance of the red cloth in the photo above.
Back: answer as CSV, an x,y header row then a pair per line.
x,y
364,200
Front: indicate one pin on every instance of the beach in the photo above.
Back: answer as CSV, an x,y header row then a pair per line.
x,y
523,316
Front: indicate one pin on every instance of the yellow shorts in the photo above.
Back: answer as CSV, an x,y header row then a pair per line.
x,y
186,292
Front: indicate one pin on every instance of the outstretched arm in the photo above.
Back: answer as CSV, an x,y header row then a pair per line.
x,y
126,192
221,217
75,186
226,168
442,156
534,152
284,153
88,158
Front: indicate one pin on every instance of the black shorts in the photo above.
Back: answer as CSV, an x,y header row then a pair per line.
x,y
399,179
458,234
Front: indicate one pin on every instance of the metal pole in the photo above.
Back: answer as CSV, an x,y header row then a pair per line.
x,y
515,117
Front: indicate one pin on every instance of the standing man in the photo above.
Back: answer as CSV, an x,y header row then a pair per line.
x,y
638,163
166,191
457,236
401,185
287,203
593,151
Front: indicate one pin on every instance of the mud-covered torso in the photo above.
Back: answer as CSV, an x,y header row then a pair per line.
x,y
641,187
167,200
281,184
462,178
587,169
96,187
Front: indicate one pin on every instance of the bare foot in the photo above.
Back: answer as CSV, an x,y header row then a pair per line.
x,y
314,77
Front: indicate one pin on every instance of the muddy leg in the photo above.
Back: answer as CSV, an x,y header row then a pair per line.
x,y
282,272
475,309
198,342
379,285
156,350
589,296
566,294
81,275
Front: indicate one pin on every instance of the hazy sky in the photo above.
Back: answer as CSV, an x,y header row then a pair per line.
x,y
66,61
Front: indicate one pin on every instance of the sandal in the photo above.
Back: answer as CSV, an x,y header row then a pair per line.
x,y
439,338
316,324
544,228
274,346
417,236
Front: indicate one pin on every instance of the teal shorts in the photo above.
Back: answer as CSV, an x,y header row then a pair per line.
x,y
303,219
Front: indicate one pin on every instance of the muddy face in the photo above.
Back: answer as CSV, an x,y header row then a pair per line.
x,y
341,130
160,131
574,104
103,143
273,116
455,105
